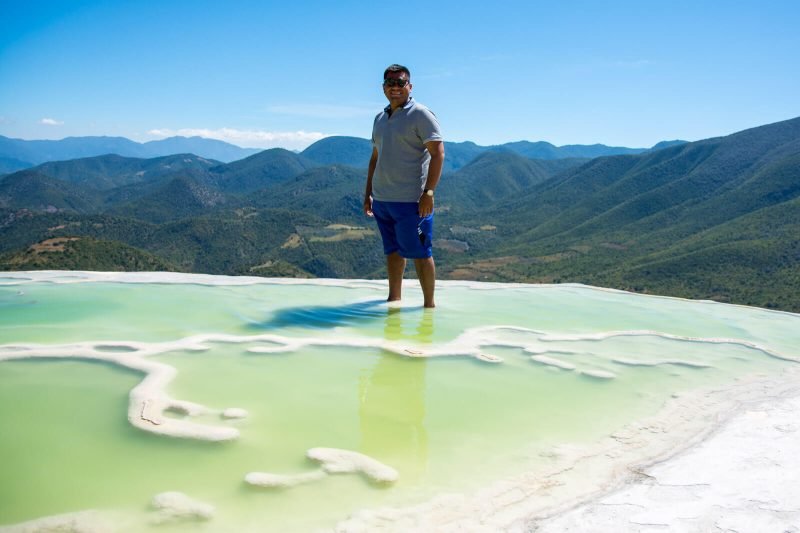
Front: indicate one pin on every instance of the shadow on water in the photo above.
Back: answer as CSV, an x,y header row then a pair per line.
x,y
325,317
391,389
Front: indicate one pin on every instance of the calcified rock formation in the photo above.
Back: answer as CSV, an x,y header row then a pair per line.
x,y
741,479
149,402
267,480
658,472
335,461
570,474
177,506
78,522
332,461
234,412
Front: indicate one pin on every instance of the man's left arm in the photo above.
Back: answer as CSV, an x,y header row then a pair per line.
x,y
436,149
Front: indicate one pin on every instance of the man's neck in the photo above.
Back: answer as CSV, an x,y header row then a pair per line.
x,y
394,107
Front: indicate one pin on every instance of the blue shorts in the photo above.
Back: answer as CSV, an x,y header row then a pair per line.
x,y
403,230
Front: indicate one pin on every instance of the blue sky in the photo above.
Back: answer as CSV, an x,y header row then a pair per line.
x,y
264,74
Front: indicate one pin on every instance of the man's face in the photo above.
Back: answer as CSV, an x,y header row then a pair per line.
x,y
396,95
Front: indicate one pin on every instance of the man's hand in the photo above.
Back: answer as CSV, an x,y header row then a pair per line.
x,y
373,162
436,149
425,205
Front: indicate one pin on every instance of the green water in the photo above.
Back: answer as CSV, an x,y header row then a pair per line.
x,y
447,424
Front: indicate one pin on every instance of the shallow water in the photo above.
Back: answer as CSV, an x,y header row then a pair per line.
x,y
357,380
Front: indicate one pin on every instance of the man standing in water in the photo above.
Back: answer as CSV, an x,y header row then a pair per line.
x,y
405,167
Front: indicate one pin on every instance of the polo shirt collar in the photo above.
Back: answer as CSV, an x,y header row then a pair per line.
x,y
407,105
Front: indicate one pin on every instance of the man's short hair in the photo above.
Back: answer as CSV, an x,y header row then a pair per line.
x,y
396,68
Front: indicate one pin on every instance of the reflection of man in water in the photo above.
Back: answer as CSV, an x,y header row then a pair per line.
x,y
392,402
406,164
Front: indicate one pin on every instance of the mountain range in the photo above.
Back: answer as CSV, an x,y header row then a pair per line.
x,y
19,154
356,152
712,219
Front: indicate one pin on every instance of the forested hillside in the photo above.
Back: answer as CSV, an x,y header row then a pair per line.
x,y
715,219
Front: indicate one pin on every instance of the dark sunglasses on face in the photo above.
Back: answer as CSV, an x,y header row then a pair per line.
x,y
395,82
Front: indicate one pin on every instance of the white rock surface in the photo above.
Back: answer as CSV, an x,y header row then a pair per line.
x,y
745,478
175,506
336,461
78,522
234,412
332,461
598,374
545,498
552,361
265,479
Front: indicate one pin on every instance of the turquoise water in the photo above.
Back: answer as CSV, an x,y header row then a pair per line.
x,y
357,379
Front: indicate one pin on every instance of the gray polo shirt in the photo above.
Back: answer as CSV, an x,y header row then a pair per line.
x,y
403,158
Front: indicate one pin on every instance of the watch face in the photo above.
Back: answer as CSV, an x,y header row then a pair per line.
x,y
429,192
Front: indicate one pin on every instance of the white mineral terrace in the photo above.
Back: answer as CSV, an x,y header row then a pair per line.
x,y
713,460
332,461
149,401
722,458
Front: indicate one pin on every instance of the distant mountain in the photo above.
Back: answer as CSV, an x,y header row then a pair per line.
x,y
29,189
497,176
181,197
208,148
460,154
35,152
98,184
331,192
260,170
704,182
9,165
351,151
545,150
336,192
716,219
668,144
356,152
111,171
41,151
691,220
148,186
18,154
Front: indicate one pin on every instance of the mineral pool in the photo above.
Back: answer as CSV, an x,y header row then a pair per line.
x,y
169,402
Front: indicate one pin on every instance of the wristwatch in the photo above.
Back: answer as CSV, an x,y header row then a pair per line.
x,y
428,192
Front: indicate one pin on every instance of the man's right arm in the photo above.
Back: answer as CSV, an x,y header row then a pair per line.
x,y
373,163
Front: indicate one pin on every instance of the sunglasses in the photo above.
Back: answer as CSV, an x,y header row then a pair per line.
x,y
395,82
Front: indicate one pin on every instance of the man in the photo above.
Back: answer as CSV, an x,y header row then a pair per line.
x,y
405,167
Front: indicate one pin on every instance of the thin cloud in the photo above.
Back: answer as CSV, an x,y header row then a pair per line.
x,y
51,122
324,111
295,140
